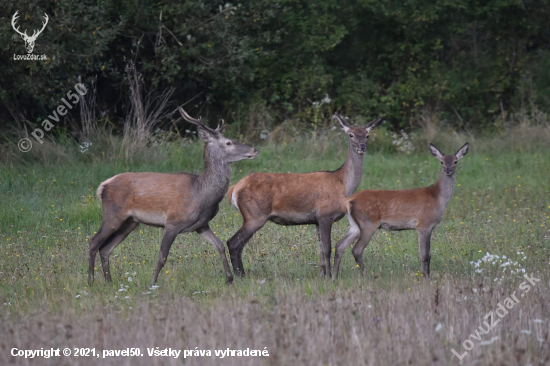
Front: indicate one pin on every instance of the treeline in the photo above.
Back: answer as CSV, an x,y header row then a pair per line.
x,y
473,64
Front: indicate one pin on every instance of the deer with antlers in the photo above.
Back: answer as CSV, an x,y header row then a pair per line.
x,y
419,209
299,199
29,40
180,202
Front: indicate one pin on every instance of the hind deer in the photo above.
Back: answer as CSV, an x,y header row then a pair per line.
x,y
299,199
419,209
179,202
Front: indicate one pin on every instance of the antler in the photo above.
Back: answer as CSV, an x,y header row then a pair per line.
x,y
197,122
37,33
13,19
220,127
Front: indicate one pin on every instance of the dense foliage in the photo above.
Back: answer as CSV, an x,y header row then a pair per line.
x,y
468,62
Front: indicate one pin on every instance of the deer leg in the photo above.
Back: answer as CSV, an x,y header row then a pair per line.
x,y
323,231
105,251
207,234
359,247
318,230
237,242
341,246
170,234
240,257
424,238
98,240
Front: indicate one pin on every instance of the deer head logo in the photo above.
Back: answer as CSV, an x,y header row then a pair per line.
x,y
29,40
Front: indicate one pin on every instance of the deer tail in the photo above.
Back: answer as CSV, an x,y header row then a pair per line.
x,y
229,193
102,186
347,206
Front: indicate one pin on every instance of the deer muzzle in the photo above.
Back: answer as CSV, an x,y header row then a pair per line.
x,y
253,154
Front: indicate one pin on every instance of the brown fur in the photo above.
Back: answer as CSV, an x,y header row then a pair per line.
x,y
229,193
290,199
298,199
400,210
419,209
178,202
152,193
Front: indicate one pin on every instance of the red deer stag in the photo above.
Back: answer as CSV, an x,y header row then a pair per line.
x,y
299,199
419,209
180,202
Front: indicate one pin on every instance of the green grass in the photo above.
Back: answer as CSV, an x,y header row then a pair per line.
x,y
501,205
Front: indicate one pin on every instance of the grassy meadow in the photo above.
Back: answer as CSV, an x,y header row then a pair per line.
x,y
501,206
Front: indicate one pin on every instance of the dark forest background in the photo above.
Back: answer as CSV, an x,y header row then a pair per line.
x,y
473,64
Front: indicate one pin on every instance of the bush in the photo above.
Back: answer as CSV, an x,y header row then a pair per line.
x,y
469,63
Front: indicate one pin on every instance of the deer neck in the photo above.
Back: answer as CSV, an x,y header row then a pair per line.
x,y
444,188
352,170
215,179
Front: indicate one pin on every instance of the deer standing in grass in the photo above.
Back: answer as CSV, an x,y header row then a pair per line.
x,y
180,202
299,199
419,209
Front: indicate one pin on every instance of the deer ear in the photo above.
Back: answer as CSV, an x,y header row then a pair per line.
x,y
375,123
344,125
462,151
435,152
205,135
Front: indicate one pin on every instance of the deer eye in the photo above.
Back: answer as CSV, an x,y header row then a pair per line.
x,y
455,162
351,135
228,143
441,163
367,137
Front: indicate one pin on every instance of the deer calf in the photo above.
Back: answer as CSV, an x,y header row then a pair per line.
x,y
179,202
419,209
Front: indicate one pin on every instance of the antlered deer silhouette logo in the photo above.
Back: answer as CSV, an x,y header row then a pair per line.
x,y
29,40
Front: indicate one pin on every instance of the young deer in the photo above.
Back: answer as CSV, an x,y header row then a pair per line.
x,y
180,202
299,199
419,209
